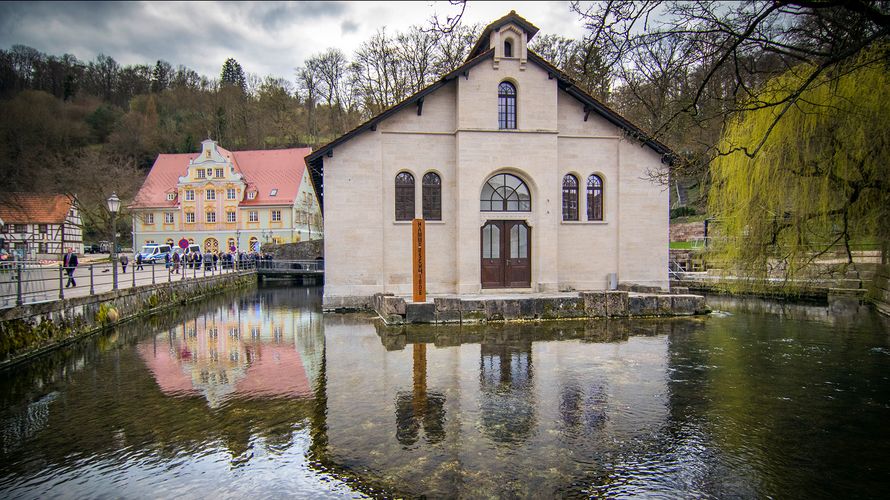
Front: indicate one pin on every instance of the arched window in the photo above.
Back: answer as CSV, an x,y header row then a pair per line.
x,y
404,196
508,48
594,198
505,193
506,106
432,196
569,197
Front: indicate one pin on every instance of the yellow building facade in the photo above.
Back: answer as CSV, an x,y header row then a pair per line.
x,y
227,200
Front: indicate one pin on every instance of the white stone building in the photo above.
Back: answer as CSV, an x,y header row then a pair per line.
x,y
526,183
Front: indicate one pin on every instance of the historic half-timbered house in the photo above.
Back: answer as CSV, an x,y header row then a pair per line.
x,y
40,226
526,184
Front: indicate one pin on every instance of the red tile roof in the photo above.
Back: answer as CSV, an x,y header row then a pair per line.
x,y
263,171
34,208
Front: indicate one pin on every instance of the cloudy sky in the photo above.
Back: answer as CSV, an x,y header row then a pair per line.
x,y
266,38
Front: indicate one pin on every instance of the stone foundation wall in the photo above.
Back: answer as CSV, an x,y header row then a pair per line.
x,y
879,292
32,329
597,304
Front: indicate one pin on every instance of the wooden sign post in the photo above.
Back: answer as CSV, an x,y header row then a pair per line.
x,y
418,230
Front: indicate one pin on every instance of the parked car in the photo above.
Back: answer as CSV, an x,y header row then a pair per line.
x,y
90,248
154,252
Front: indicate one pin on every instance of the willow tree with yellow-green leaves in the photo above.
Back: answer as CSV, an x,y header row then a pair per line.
x,y
806,182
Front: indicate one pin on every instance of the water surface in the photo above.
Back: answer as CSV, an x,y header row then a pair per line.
x,y
259,394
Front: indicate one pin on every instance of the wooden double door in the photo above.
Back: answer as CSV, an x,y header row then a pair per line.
x,y
506,254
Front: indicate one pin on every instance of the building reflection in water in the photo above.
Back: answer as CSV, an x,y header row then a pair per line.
x,y
506,385
420,408
240,351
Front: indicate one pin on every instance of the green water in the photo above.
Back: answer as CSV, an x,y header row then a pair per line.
x,y
260,394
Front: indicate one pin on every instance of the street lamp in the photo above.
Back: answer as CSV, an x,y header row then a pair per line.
x,y
114,204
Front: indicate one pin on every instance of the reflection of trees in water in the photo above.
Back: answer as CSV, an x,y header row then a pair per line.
x,y
505,379
420,407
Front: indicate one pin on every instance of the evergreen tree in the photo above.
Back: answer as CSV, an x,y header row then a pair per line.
x,y
233,75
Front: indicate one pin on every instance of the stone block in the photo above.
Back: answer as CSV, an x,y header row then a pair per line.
x,y
570,307
420,312
594,303
686,304
616,303
394,319
472,316
625,287
493,310
447,304
447,316
548,308
392,305
642,305
680,290
665,305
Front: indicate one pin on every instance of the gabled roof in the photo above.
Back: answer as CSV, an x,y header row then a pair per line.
x,y
263,171
34,208
315,160
482,43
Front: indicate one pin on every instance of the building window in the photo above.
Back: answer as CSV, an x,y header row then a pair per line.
x,y
219,172
201,174
189,195
230,243
253,216
41,228
570,197
211,216
4,228
508,48
230,193
190,217
276,215
594,198
149,218
404,196
20,228
171,196
251,195
274,192
506,106
230,216
210,194
41,247
432,196
254,244
505,193
168,217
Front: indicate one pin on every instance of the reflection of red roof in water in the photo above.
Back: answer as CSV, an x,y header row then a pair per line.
x,y
274,371
167,371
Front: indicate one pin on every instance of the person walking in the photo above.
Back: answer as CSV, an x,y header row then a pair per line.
x,y
124,261
176,260
69,262
139,262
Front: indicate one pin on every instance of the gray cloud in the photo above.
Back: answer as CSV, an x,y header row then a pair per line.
x,y
348,26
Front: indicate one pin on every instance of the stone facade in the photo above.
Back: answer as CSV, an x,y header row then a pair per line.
x,y
454,131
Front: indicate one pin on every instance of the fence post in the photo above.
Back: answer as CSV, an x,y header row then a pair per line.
x,y
61,288
169,273
134,275
152,273
92,290
18,287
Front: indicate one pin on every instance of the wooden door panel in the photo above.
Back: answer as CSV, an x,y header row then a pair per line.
x,y
506,254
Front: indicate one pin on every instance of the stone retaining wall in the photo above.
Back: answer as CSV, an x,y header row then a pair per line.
x,y
32,329
600,304
880,290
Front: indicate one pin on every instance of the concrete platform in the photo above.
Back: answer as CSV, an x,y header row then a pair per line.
x,y
471,309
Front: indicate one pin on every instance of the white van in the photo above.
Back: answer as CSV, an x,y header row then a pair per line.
x,y
154,252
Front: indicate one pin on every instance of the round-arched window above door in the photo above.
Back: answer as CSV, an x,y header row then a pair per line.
x,y
505,193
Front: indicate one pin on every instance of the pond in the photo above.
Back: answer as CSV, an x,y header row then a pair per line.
x,y
258,393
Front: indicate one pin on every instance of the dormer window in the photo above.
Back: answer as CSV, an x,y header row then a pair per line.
x,y
251,195
508,48
274,192
171,196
